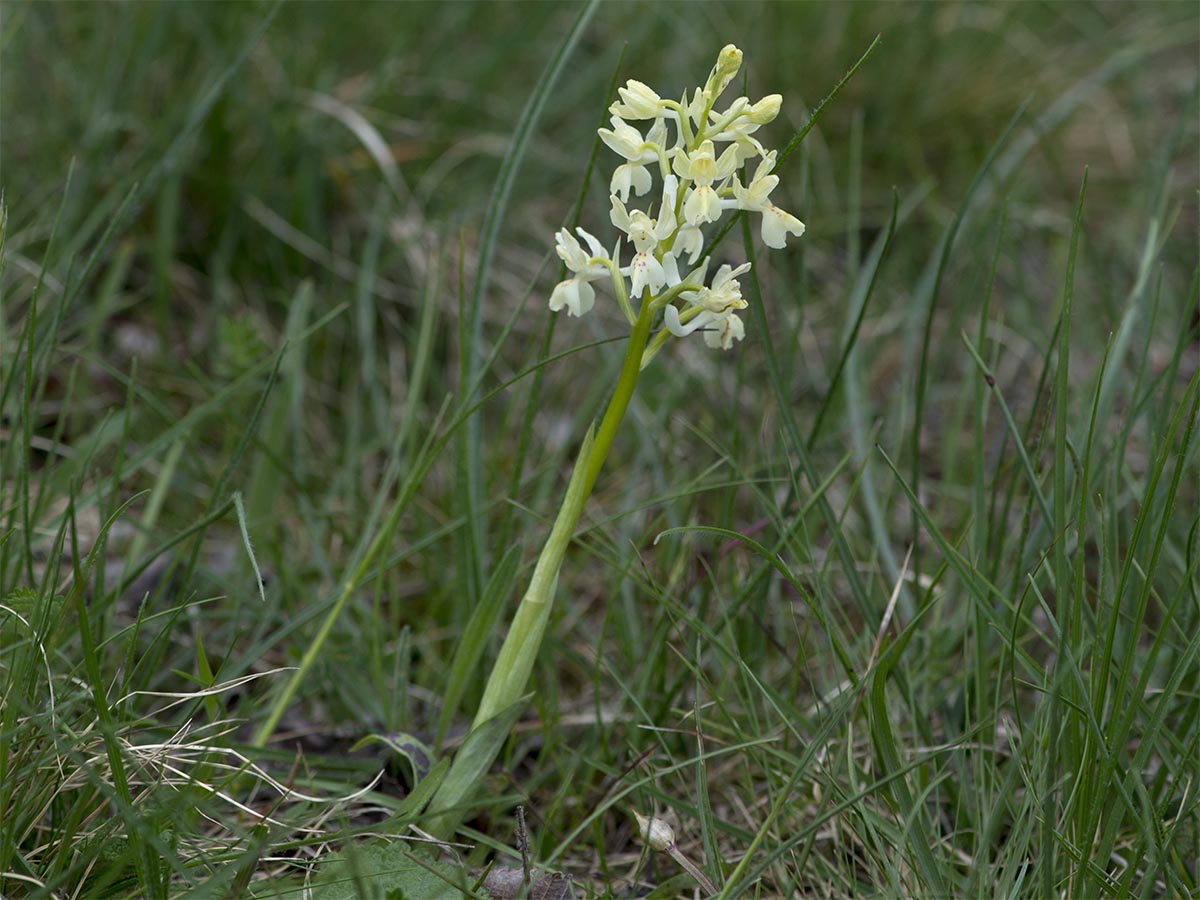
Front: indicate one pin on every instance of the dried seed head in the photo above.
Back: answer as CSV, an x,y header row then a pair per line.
x,y
656,833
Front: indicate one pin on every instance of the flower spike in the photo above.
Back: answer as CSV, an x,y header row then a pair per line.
x,y
698,151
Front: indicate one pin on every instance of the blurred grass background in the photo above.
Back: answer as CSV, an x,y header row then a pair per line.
x,y
347,165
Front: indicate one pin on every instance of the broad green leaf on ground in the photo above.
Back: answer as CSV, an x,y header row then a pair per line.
x,y
388,872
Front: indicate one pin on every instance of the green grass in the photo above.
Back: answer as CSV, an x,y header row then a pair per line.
x,y
899,598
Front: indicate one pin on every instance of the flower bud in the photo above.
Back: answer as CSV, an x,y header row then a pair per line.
x,y
729,60
656,834
639,101
765,110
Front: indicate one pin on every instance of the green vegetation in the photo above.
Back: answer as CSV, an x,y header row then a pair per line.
x,y
897,598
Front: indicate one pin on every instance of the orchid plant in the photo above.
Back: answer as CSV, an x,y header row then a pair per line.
x,y
701,172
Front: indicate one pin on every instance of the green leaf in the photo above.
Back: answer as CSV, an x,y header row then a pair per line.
x,y
422,792
481,627
477,753
419,757
387,872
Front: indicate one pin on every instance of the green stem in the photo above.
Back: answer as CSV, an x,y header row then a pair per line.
x,y
510,675
627,381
